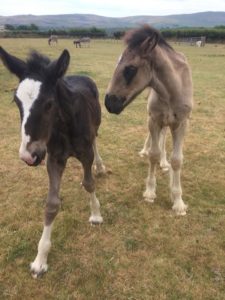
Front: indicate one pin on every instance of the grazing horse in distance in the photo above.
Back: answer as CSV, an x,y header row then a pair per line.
x,y
61,116
149,61
53,39
84,40
77,43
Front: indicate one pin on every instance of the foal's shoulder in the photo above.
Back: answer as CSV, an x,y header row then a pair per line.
x,y
78,83
78,79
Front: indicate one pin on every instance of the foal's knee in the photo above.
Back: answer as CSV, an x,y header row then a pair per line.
x,y
154,156
89,185
176,163
51,210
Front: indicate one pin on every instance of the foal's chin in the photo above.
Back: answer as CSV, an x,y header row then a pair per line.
x,y
117,111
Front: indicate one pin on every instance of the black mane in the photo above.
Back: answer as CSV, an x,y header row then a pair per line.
x,y
37,63
136,37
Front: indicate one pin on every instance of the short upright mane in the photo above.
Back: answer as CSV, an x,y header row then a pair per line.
x,y
37,63
136,37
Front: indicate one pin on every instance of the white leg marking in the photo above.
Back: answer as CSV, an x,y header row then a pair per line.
x,y
176,162
154,156
95,217
149,194
165,166
179,206
99,166
39,265
145,149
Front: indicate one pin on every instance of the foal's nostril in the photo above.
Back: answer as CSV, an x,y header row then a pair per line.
x,y
38,157
35,156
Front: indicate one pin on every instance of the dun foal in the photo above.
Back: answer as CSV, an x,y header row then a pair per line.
x,y
148,61
60,116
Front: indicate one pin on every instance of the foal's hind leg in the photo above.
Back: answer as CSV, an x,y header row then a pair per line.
x,y
55,171
89,185
154,157
99,166
145,150
162,145
176,162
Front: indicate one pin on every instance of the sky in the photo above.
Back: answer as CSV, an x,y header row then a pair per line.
x,y
109,8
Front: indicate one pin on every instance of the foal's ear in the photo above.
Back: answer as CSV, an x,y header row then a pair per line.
x,y
58,68
12,63
149,44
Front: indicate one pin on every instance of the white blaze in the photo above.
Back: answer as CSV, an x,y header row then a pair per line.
x,y
27,92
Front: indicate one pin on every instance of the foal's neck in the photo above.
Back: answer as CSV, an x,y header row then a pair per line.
x,y
165,80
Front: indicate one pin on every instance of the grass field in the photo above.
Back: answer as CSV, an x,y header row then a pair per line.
x,y
141,251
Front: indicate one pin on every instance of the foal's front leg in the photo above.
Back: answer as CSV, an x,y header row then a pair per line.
x,y
176,162
165,166
55,171
89,185
154,157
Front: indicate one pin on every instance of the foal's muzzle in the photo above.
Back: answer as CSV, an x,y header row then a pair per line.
x,y
114,104
33,159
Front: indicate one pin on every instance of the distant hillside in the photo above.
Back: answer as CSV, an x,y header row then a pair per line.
x,y
203,19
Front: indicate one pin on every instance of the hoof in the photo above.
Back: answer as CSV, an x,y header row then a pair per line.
x,y
149,196
180,209
38,270
143,153
94,220
100,170
165,167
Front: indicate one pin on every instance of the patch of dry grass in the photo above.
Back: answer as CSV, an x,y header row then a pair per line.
x,y
141,251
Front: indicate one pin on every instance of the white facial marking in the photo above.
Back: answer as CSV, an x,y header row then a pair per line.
x,y
27,92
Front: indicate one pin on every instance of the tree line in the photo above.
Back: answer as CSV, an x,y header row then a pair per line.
x,y
34,30
214,34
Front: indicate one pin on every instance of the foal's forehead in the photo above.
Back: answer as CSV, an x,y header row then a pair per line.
x,y
28,91
126,56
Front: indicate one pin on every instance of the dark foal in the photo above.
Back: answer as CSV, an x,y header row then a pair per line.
x,y
60,116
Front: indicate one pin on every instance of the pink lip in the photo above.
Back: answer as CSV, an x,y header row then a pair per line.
x,y
29,160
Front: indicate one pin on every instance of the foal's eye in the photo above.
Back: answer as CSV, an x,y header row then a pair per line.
x,y
48,106
129,73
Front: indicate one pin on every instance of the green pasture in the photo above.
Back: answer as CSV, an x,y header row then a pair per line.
x,y
142,251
